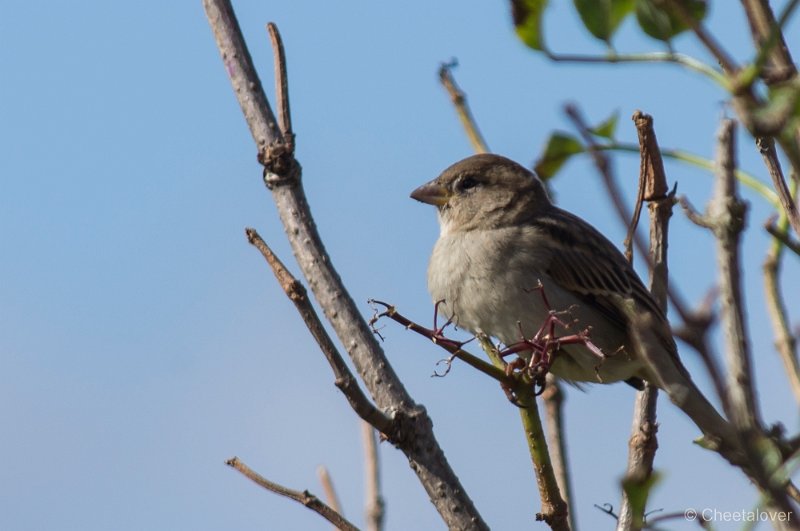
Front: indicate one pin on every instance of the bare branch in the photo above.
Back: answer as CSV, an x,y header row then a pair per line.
x,y
783,237
612,188
764,29
724,59
694,215
374,508
242,73
785,340
281,86
304,497
653,187
671,376
553,397
727,212
642,447
695,333
413,429
459,100
766,147
329,490
345,381
725,217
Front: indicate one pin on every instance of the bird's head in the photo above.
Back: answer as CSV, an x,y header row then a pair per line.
x,y
483,192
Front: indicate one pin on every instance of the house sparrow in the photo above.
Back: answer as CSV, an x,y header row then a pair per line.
x,y
502,238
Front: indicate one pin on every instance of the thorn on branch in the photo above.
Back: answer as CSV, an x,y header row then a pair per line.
x,y
447,362
608,509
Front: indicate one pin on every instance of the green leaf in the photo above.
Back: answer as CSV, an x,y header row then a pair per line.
x,y
603,17
527,15
560,147
662,22
608,128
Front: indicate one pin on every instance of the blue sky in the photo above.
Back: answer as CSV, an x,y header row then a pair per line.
x,y
143,341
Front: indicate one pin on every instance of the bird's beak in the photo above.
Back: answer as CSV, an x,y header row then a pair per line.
x,y
431,193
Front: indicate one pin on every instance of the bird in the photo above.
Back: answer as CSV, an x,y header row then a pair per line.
x,y
507,259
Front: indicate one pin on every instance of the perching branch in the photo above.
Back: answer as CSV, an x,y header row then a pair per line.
x,y
554,509
552,395
435,335
282,174
520,389
304,497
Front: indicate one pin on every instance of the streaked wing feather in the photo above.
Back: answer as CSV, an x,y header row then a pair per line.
x,y
587,263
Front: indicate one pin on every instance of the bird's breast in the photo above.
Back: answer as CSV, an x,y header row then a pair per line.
x,y
488,280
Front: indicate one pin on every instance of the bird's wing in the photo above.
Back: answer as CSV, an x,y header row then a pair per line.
x,y
586,263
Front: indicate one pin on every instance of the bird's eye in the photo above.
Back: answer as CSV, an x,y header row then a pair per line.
x,y
465,183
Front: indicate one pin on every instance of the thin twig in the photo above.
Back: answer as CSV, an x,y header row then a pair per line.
x,y
345,381
747,179
650,57
767,57
768,38
304,497
459,100
785,340
453,347
374,509
327,487
766,146
282,176
281,86
242,73
783,236
724,59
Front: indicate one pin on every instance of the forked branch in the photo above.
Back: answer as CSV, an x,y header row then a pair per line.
x,y
282,174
